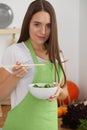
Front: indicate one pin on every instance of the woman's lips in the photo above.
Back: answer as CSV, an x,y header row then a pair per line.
x,y
41,37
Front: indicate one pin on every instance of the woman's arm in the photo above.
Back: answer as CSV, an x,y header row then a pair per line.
x,y
63,92
8,81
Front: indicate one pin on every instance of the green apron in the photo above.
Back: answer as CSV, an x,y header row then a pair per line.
x,y
32,113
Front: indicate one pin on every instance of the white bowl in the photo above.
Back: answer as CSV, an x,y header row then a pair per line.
x,y
42,93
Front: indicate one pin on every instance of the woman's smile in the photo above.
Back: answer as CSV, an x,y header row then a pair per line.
x,y
42,38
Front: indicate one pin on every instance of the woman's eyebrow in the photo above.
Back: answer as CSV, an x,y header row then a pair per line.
x,y
40,22
36,22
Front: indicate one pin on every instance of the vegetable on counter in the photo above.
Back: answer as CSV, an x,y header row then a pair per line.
x,y
62,110
76,116
83,124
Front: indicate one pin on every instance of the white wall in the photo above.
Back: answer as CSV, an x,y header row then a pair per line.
x,y
83,49
68,21
68,15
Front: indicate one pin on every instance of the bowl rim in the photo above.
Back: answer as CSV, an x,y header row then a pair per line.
x,y
32,85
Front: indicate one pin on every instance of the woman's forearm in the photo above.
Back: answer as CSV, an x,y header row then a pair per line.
x,y
8,86
63,92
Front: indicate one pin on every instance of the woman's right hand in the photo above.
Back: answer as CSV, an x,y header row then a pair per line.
x,y
19,70
9,81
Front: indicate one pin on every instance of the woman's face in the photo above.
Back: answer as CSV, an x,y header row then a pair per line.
x,y
40,26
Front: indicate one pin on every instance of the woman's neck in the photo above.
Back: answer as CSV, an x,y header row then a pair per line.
x,y
40,50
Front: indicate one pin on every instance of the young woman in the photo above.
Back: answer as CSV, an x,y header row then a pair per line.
x,y
38,43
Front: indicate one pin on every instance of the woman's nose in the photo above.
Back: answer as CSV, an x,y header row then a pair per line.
x,y
43,30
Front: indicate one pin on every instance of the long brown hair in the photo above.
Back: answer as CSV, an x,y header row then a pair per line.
x,y
52,42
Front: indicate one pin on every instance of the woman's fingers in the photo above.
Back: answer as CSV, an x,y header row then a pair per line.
x,y
19,70
55,96
52,98
21,73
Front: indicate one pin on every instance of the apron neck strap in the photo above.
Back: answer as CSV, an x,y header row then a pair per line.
x,y
32,51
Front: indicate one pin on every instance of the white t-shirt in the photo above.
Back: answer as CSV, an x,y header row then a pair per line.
x,y
19,52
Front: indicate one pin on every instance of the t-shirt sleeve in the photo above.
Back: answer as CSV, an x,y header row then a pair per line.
x,y
8,59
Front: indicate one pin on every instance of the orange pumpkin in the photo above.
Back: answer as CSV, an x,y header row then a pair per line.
x,y
73,93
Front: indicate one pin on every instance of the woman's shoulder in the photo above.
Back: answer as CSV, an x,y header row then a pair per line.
x,y
15,46
17,51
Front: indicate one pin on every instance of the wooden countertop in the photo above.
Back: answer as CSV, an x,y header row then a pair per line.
x,y
6,108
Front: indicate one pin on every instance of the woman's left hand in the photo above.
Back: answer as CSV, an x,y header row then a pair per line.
x,y
61,93
55,96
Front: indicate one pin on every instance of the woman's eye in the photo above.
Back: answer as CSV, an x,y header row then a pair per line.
x,y
37,24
